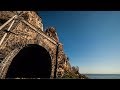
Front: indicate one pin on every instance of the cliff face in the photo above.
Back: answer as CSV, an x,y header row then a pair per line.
x,y
33,18
52,33
28,36
29,16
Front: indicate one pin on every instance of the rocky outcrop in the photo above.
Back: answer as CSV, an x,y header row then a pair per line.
x,y
52,33
33,18
21,35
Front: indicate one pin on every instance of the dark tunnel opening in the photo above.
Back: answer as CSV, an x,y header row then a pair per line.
x,y
33,61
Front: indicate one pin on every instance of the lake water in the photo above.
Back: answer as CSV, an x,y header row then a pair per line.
x,y
103,76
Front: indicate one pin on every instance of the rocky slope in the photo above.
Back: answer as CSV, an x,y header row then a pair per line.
x,y
65,70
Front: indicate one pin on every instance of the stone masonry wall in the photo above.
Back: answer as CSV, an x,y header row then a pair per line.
x,y
23,35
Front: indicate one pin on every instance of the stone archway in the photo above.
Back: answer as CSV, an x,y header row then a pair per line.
x,y
33,61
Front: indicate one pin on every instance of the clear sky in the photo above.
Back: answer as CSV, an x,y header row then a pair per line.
x,y
91,39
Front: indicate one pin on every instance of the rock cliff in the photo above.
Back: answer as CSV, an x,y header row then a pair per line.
x,y
64,68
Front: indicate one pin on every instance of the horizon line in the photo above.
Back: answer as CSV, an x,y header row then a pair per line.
x,y
100,73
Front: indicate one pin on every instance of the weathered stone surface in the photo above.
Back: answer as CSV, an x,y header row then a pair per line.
x,y
52,33
5,15
33,19
22,35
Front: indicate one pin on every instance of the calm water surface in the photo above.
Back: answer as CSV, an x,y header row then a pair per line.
x,y
103,76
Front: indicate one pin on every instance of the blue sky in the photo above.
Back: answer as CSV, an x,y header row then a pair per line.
x,y
91,39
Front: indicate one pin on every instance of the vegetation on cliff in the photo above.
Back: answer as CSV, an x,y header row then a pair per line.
x,y
74,73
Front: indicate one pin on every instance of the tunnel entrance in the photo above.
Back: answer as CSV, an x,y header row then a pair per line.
x,y
33,61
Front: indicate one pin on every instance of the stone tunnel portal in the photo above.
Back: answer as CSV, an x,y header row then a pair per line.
x,y
33,61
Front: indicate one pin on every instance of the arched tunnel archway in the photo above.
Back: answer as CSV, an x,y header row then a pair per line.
x,y
33,61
